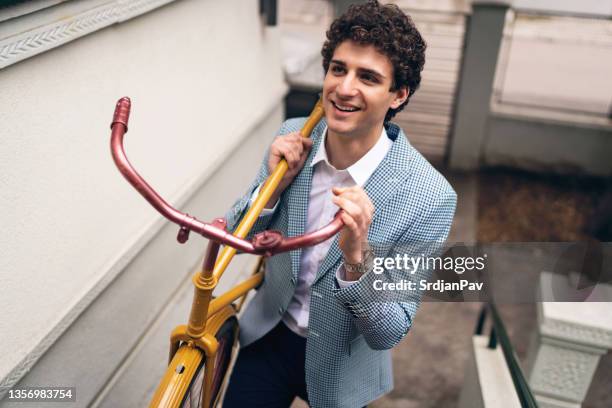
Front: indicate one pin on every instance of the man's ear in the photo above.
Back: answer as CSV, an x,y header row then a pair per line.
x,y
400,97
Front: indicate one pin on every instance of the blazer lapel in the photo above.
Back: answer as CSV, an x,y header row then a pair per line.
x,y
298,197
380,187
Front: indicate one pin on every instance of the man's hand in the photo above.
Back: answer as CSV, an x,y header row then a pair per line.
x,y
294,149
357,217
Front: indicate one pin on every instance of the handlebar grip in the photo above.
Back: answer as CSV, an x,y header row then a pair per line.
x,y
122,112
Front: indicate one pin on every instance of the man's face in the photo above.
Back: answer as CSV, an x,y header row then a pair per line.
x,y
356,94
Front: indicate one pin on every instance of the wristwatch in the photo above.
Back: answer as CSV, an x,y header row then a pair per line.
x,y
366,264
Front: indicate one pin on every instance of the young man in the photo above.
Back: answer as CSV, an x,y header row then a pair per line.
x,y
315,328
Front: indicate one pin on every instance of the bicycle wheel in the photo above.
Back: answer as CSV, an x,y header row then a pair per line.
x,y
226,336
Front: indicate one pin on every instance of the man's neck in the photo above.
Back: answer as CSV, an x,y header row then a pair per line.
x,y
345,150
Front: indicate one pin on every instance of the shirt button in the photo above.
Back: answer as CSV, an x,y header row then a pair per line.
x,y
293,281
281,310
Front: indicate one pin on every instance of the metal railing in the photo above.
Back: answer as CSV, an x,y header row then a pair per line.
x,y
499,335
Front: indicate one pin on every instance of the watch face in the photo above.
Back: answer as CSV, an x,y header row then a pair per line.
x,y
354,268
364,266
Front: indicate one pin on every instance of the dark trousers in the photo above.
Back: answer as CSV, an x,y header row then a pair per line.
x,y
269,372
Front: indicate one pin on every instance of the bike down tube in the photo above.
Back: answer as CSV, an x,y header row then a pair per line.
x,y
270,185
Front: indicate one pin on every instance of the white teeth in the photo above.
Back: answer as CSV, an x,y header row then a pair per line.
x,y
345,108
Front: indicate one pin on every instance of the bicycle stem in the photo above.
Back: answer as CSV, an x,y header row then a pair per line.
x,y
203,287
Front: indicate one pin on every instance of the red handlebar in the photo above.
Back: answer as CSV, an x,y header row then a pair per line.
x,y
264,243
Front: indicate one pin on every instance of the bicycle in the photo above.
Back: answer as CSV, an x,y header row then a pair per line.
x,y
202,350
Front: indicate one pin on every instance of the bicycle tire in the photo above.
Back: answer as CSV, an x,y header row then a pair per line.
x,y
226,336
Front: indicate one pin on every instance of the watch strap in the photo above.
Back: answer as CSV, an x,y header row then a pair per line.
x,y
366,264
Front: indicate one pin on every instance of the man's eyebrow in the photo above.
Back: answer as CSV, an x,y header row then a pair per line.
x,y
361,70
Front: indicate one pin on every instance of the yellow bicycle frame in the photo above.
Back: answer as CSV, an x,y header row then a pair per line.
x,y
191,343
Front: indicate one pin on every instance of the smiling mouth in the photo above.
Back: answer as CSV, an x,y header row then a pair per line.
x,y
345,108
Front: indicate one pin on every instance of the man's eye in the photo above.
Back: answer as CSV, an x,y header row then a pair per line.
x,y
369,78
337,69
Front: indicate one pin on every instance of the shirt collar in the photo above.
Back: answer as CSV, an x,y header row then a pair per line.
x,y
363,168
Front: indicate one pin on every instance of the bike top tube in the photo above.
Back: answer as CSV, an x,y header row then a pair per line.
x,y
265,243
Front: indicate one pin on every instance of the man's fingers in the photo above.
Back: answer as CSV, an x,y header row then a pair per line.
x,y
350,207
361,199
294,149
292,159
302,160
350,223
287,151
297,149
274,158
306,142
305,145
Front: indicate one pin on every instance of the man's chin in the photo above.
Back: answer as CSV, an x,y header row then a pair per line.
x,y
342,128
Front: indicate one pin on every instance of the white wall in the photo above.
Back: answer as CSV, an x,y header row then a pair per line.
x,y
200,74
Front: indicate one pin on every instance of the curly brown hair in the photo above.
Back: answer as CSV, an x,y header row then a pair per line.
x,y
391,32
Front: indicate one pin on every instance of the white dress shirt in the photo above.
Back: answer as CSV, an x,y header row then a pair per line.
x,y
321,210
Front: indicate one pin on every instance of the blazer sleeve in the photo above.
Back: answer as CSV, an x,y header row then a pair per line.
x,y
383,318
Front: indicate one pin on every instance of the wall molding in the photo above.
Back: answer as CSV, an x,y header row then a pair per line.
x,y
35,33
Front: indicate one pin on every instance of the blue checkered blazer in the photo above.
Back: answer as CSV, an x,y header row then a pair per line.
x,y
348,361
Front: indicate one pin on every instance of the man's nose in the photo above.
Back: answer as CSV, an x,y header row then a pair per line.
x,y
347,86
